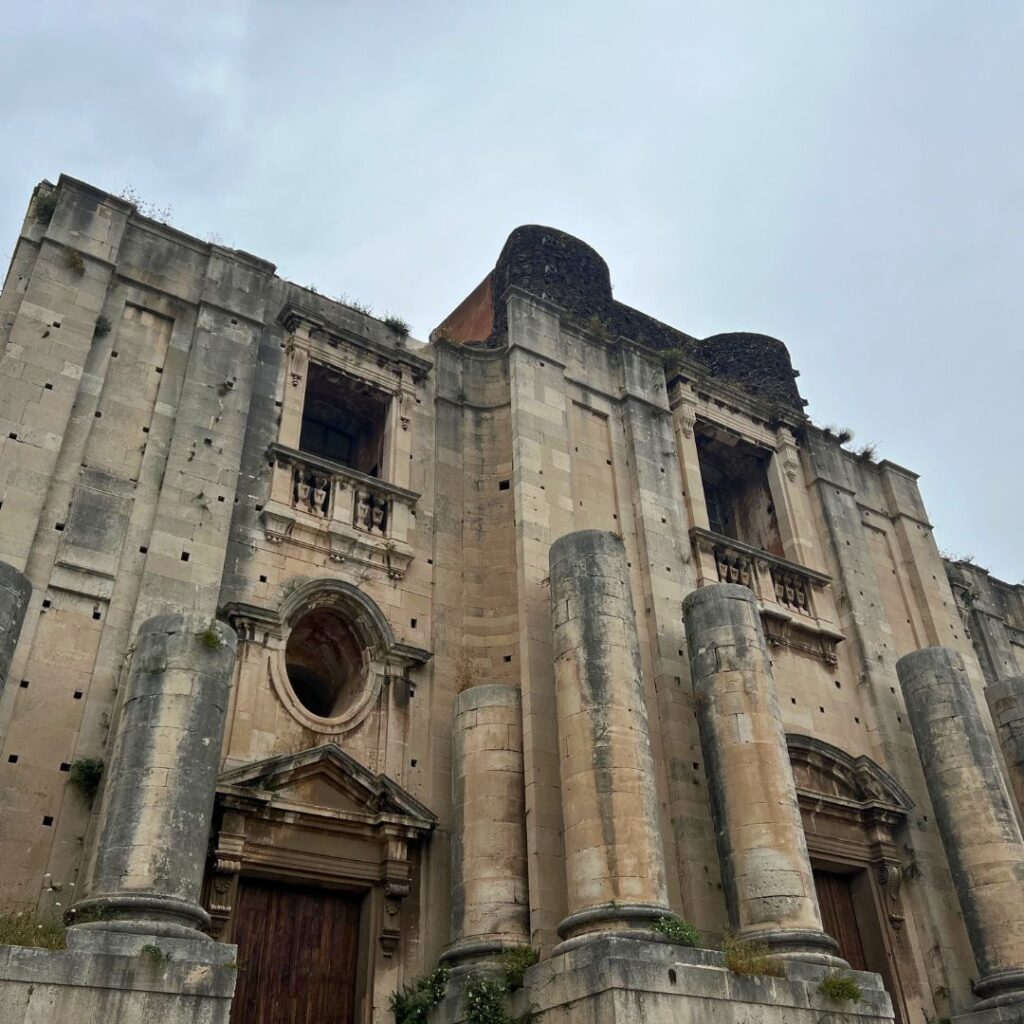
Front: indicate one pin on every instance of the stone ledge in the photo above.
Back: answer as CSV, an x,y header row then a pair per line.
x,y
612,979
44,986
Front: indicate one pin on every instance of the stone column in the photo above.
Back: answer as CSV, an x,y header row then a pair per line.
x,y
766,871
15,591
490,894
160,782
1006,703
975,817
614,860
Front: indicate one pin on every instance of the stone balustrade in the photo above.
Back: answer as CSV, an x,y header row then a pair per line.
x,y
366,519
789,596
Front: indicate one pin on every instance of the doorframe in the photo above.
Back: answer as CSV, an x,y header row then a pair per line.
x,y
854,814
263,828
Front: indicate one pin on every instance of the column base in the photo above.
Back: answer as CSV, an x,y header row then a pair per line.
x,y
624,920
141,914
617,980
804,946
478,950
1003,989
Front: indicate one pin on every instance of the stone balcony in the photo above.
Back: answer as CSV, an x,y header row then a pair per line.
x,y
791,597
315,500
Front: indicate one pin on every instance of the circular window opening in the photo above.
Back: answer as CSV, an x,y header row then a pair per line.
x,y
325,663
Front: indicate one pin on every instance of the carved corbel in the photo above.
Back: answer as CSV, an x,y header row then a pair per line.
x,y
225,869
405,400
298,361
687,418
397,885
890,877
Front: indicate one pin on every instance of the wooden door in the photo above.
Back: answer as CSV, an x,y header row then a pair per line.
x,y
839,917
296,954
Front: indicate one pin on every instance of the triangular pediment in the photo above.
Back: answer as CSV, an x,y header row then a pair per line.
x,y
327,779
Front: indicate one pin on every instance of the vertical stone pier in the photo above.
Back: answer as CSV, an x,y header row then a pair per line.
x,y
1006,703
15,591
975,817
614,859
490,896
766,871
159,792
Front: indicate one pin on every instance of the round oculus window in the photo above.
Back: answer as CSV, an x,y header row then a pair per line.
x,y
326,663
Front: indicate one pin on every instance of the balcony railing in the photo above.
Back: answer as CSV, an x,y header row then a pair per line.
x,y
367,519
789,594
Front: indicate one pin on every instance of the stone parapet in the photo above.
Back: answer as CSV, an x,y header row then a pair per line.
x,y
159,985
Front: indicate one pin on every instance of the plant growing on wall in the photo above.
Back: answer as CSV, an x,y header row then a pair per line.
x,y
85,775
413,1003
750,958
397,324
485,1001
102,328
675,929
43,206
25,928
840,988
213,636
515,962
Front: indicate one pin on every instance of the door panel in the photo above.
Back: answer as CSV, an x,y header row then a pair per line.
x,y
296,955
839,917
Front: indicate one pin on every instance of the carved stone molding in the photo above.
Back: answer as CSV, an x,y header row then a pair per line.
x,y
270,829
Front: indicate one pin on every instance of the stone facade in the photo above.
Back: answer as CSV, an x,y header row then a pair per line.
x,y
537,634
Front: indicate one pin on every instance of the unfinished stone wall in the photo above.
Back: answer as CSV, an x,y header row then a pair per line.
x,y
146,467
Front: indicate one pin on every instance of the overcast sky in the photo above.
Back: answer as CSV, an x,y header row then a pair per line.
x,y
847,176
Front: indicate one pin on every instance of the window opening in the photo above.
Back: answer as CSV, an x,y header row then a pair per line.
x,y
325,662
739,502
343,419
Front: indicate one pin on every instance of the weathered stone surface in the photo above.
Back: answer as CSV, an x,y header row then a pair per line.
x,y
976,818
158,798
15,591
614,861
40,986
1006,703
766,870
490,899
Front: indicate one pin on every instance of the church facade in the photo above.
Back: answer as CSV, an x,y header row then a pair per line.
x,y
328,656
